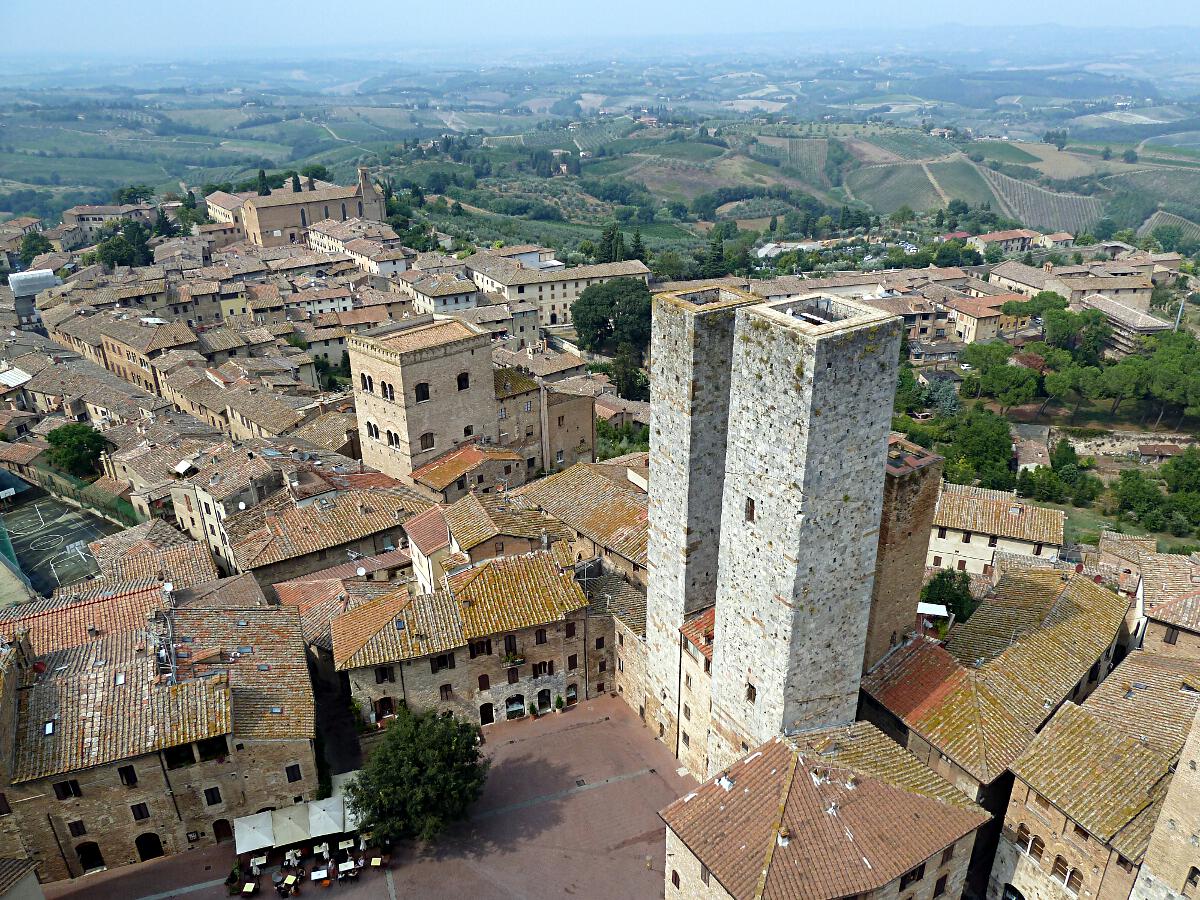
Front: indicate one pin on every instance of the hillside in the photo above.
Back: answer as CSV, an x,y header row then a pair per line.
x,y
1039,208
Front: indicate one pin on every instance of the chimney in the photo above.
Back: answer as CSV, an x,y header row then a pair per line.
x,y
1048,266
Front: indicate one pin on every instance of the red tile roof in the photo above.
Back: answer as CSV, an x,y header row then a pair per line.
x,y
699,631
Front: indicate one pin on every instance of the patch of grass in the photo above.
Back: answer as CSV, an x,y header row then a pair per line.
x,y
886,188
687,150
1002,151
960,180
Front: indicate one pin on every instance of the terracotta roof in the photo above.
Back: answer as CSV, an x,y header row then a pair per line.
x,y
1118,312
20,454
97,720
1182,612
585,499
509,272
328,430
428,531
1128,547
1166,576
236,591
246,640
541,363
324,524
442,472
699,628
511,382
980,699
477,518
423,337
1001,513
819,816
495,596
1108,763
613,594
61,622
1159,449
184,565
288,198
320,600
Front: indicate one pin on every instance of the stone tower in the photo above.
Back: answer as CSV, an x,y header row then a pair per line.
x,y
809,415
912,476
689,397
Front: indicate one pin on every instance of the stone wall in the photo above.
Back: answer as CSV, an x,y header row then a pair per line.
x,y
252,777
909,502
810,408
689,403
1119,443
416,684
630,677
1187,643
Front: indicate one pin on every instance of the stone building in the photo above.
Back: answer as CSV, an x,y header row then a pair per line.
x,y
283,217
204,715
1173,628
822,815
912,477
421,387
969,708
499,637
1104,797
808,431
972,524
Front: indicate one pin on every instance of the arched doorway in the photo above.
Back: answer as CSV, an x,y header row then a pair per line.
x,y
89,855
222,831
514,706
572,694
543,700
487,714
384,707
148,846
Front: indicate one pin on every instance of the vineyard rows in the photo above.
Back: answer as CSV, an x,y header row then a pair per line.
x,y
1039,208
1189,229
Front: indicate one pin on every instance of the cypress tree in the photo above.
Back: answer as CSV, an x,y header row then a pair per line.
x,y
264,189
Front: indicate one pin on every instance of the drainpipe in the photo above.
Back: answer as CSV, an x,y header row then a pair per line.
x,y
170,789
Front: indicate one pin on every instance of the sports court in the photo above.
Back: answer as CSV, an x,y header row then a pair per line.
x,y
50,539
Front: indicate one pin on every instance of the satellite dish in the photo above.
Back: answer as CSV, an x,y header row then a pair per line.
x,y
360,571
241,504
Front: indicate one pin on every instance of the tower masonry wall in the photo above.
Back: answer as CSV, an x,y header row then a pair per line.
x,y
809,418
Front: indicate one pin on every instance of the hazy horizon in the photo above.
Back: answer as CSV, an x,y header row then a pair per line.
x,y
219,28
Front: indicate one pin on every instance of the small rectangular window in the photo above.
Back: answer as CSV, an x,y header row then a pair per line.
x,y
993,540
749,509
704,873
940,887
947,854
446,692
966,538
687,742
5,809
687,712
212,796
569,630
751,693
128,776
600,642
293,773
65,790
1171,636
140,811
572,662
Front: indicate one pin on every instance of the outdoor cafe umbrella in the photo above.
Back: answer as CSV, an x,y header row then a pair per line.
x,y
325,816
252,833
290,824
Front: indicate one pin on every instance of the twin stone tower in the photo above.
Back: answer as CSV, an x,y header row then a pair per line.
x,y
770,425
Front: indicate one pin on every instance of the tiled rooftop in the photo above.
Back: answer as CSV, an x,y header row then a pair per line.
x,y
819,816
1000,513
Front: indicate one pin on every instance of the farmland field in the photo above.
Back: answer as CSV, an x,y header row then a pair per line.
x,y
1189,229
1039,208
78,170
887,188
804,156
695,152
1002,151
912,145
961,181
1181,186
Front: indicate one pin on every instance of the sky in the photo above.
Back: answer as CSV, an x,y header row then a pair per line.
x,y
152,27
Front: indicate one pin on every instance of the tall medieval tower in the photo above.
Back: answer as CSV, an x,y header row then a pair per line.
x,y
689,384
810,405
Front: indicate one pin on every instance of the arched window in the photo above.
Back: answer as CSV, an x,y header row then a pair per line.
x,y
360,212
1074,881
464,381
1193,882
327,210
388,392
303,219
362,380
372,430
1060,869
468,430
343,212
539,636
427,441
422,391
484,682
1037,847
1023,838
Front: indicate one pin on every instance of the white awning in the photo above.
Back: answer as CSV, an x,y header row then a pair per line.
x,y
933,609
252,833
290,825
325,816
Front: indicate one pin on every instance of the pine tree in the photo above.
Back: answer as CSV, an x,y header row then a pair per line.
x,y
714,261
189,202
637,250
774,224
264,189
